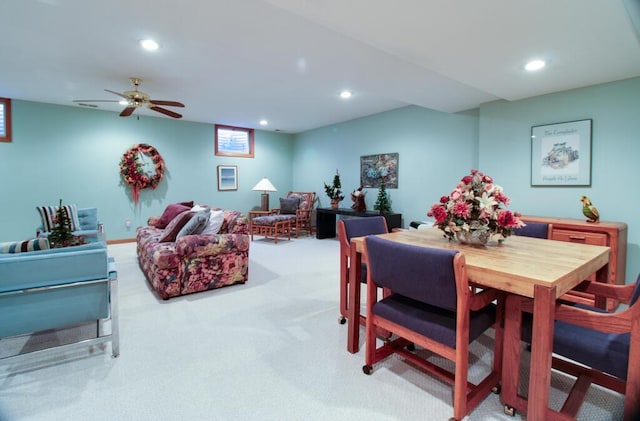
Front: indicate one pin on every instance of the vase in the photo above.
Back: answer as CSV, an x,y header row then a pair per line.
x,y
335,203
478,237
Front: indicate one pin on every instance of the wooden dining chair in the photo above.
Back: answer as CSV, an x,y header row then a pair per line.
x,y
597,346
430,306
348,229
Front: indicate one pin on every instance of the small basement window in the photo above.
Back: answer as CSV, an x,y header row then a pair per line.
x,y
5,120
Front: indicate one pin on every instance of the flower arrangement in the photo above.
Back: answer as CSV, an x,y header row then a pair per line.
x,y
476,204
131,169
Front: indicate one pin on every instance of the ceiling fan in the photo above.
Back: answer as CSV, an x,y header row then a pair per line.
x,y
135,99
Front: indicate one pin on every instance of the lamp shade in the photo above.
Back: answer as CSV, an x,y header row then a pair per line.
x,y
264,185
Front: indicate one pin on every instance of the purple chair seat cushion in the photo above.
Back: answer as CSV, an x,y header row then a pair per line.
x,y
434,322
606,352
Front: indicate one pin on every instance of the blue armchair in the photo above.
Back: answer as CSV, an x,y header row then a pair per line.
x,y
54,288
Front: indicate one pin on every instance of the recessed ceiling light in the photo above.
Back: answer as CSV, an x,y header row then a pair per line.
x,y
345,94
149,44
534,65
263,122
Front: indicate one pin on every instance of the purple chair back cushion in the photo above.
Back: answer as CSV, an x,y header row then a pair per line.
x,y
420,273
361,226
358,227
533,229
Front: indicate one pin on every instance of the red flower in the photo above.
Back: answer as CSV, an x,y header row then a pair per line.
x,y
438,212
507,219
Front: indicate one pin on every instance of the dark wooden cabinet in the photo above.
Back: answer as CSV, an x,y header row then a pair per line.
x,y
326,220
610,234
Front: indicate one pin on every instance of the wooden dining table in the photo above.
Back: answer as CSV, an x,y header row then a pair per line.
x,y
536,268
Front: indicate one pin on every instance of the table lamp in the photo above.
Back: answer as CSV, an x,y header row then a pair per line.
x,y
264,186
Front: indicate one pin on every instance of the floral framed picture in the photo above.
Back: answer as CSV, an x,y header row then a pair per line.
x,y
234,141
561,154
376,170
227,177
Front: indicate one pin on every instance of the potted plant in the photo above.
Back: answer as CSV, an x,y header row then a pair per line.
x,y
334,192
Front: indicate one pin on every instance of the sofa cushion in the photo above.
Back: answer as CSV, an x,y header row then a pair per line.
x,y
48,216
196,224
216,218
170,213
171,231
24,246
289,206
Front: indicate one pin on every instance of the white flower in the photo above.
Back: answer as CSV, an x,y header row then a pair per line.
x,y
487,201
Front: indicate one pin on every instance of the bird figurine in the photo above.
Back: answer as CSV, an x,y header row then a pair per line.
x,y
589,210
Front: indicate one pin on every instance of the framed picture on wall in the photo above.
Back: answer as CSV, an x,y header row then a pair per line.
x,y
378,169
227,177
233,141
561,154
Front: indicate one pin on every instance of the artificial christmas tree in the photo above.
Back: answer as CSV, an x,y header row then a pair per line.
x,y
334,192
383,204
61,234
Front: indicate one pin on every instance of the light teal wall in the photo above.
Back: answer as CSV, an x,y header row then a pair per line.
x,y
505,151
435,150
73,154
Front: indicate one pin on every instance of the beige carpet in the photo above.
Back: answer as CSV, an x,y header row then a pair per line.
x,y
267,350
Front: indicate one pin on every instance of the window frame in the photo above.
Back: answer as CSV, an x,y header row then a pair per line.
x,y
220,151
6,102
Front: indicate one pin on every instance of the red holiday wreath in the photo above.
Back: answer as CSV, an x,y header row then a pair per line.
x,y
132,171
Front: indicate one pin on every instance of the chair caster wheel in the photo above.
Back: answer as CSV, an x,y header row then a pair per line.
x,y
496,389
367,369
509,410
342,320
411,347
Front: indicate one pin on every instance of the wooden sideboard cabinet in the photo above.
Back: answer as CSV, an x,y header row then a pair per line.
x,y
610,234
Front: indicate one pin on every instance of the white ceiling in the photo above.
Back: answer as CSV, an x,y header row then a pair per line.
x,y
236,62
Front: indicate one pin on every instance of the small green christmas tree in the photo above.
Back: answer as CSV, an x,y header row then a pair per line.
x,y
61,235
334,191
383,204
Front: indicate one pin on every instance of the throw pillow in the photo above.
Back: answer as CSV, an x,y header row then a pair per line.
x,y
24,246
196,224
174,227
171,212
48,216
216,218
289,205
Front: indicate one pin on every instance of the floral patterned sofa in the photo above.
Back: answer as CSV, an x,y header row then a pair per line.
x,y
195,263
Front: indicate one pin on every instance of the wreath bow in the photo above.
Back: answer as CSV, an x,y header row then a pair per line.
x,y
132,173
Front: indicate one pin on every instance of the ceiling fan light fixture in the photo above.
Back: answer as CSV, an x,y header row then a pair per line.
x,y
149,44
123,102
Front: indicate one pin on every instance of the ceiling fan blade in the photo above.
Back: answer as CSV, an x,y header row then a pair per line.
x,y
165,111
127,111
170,103
96,100
116,93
